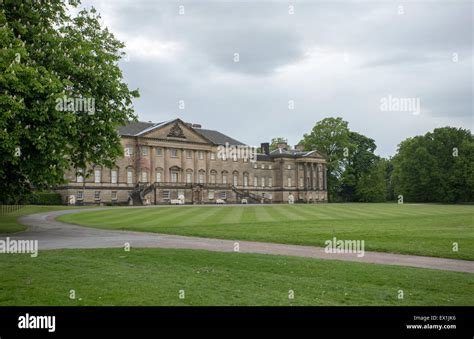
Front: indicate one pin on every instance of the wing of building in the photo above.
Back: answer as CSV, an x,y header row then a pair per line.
x,y
178,162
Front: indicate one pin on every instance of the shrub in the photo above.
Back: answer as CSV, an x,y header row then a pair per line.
x,y
45,198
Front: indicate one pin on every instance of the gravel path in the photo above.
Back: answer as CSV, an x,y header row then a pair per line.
x,y
52,234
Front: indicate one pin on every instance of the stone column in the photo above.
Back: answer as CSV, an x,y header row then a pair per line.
x,y
151,154
195,169
207,156
297,176
325,177
305,174
166,170
183,170
318,168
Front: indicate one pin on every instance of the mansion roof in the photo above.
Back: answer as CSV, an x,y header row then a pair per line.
x,y
139,128
180,128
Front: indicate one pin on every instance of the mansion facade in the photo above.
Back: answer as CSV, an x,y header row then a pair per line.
x,y
177,161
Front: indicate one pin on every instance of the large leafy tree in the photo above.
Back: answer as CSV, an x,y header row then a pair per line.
x,y
435,167
372,183
355,173
359,160
330,136
50,64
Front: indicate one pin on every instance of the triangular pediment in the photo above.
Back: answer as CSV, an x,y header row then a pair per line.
x,y
315,154
175,130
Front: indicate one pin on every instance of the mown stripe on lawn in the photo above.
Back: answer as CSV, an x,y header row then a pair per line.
x,y
233,216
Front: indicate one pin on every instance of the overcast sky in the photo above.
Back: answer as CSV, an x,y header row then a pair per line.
x,y
334,58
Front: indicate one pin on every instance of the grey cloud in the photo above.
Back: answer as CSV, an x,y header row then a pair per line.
x,y
402,55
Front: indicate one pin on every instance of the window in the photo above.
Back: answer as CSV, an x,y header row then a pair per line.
x,y
189,178
255,181
96,195
114,195
80,195
159,152
213,178
224,178
79,176
263,166
211,195
174,153
234,156
223,195
144,176
201,155
270,182
236,180
97,175
201,178
189,154
301,182
263,182
289,181
255,166
174,176
166,195
246,180
128,150
289,167
213,156
224,156
129,176
269,167
158,176
145,151
113,176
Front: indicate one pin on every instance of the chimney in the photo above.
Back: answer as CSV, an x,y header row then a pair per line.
x,y
299,148
197,126
265,147
283,145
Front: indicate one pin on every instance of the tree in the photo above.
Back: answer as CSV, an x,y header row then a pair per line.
x,y
275,141
330,136
372,184
436,167
359,159
63,95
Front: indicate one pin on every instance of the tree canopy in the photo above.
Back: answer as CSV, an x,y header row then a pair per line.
x,y
436,167
275,141
63,95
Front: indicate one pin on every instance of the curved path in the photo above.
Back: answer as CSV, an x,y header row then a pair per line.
x,y
53,234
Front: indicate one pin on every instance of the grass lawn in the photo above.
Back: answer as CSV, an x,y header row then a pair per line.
x,y
420,229
9,223
155,277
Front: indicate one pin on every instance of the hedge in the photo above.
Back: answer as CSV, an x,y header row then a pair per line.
x,y
45,198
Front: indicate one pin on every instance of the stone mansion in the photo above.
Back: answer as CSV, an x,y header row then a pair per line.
x,y
170,160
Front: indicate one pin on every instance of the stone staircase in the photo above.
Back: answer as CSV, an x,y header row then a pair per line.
x,y
138,194
245,194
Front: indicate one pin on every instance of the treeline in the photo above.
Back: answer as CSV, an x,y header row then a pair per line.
x,y
435,167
